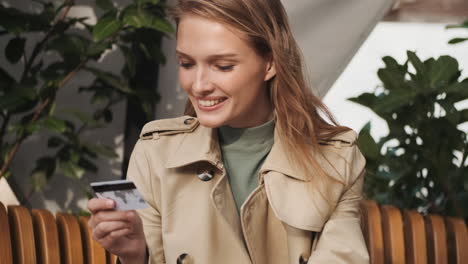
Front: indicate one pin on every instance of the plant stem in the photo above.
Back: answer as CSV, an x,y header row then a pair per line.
x,y
40,45
6,120
36,116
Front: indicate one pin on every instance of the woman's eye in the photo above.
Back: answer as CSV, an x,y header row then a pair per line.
x,y
185,65
225,68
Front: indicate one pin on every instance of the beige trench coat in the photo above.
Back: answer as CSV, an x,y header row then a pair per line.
x,y
193,218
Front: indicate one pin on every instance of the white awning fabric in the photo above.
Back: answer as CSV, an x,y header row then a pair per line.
x,y
330,32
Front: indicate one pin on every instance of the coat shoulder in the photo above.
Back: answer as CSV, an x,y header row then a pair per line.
x,y
345,139
343,149
170,126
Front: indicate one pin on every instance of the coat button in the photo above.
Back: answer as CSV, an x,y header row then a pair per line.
x,y
189,121
183,259
205,176
302,260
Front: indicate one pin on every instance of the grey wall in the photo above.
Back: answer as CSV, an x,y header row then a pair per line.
x,y
63,193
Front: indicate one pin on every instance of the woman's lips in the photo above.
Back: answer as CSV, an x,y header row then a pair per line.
x,y
210,104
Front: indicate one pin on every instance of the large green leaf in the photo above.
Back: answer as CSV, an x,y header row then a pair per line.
x,y
392,79
416,62
457,40
54,124
394,100
54,142
162,25
141,18
55,71
6,81
367,144
366,99
15,49
71,47
444,71
46,164
71,170
111,80
106,26
136,17
85,118
460,88
21,97
95,50
105,4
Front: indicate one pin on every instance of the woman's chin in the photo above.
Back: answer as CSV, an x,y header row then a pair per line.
x,y
210,121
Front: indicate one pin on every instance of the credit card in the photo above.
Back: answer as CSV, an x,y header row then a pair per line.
x,y
123,192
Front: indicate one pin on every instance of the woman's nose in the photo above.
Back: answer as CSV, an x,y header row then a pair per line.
x,y
202,83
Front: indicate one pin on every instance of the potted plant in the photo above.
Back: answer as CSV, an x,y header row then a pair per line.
x,y
67,46
422,162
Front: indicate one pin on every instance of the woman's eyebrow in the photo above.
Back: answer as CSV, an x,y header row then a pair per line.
x,y
211,57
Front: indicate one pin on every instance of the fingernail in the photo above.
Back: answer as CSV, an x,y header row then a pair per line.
x,y
129,214
110,203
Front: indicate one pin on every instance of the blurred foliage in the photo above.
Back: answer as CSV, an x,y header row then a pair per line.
x,y
460,39
28,103
422,163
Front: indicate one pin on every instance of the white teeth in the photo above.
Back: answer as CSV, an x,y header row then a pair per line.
x,y
209,102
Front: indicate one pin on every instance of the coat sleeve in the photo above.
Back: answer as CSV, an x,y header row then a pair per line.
x,y
148,184
341,240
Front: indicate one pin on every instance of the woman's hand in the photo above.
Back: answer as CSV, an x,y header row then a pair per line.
x,y
119,232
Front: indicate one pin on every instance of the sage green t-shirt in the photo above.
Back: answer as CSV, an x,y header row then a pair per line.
x,y
244,150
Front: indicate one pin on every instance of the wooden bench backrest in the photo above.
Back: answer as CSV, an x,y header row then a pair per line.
x,y
415,238
93,252
46,235
412,238
458,240
390,236
70,239
6,257
372,229
392,229
22,235
436,240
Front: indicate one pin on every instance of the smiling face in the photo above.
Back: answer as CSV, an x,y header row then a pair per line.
x,y
224,77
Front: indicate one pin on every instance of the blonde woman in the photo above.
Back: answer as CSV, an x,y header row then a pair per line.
x,y
257,171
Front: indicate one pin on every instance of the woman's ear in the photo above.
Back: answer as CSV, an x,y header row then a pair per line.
x,y
271,70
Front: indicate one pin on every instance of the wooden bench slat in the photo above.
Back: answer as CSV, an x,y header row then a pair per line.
x,y
94,253
415,238
111,258
21,228
70,239
457,240
394,242
47,241
372,229
6,256
436,240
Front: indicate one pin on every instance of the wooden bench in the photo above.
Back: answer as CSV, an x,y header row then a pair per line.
x,y
395,236
392,236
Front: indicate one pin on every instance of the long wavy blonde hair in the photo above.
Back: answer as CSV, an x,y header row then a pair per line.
x,y
301,117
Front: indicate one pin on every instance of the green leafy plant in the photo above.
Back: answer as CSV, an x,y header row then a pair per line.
x,y
69,45
422,162
462,39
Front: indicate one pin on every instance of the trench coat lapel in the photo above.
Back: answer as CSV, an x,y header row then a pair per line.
x,y
278,160
202,145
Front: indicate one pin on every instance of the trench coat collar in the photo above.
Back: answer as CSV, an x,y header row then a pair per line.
x,y
202,145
